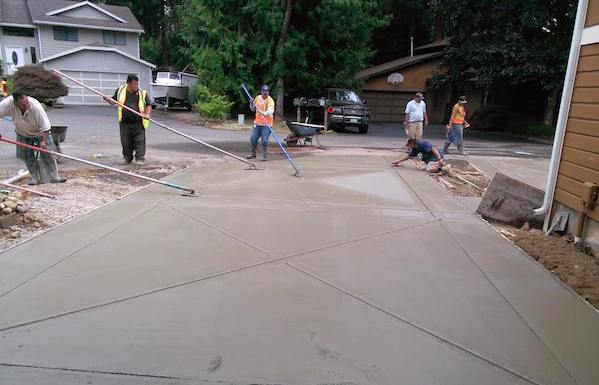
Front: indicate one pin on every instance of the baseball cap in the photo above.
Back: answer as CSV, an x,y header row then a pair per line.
x,y
265,88
463,99
419,94
410,141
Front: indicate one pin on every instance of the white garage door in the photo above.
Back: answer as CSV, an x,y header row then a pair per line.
x,y
105,82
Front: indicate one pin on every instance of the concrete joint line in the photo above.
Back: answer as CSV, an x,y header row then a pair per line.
x,y
196,280
496,288
416,326
74,252
91,371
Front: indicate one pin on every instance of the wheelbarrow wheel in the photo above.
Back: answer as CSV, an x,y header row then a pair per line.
x,y
291,140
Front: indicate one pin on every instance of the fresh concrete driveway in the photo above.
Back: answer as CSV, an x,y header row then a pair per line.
x,y
355,273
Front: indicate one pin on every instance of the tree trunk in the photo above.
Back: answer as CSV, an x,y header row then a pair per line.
x,y
280,80
163,39
550,107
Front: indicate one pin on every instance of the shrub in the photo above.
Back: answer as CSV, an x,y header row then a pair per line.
x,y
491,117
209,105
39,83
540,129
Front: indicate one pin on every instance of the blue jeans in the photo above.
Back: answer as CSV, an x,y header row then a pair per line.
x,y
456,134
260,132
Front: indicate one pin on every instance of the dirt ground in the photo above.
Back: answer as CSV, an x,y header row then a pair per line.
x,y
575,267
84,191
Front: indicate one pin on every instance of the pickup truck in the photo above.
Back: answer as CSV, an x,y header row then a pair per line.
x,y
343,107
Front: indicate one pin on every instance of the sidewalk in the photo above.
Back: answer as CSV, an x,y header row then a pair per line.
x,y
355,273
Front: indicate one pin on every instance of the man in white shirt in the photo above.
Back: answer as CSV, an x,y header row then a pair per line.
x,y
415,117
32,127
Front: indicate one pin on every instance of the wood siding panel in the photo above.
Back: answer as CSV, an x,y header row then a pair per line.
x,y
585,95
579,173
568,199
584,111
592,13
589,49
582,142
570,185
588,63
584,127
587,79
581,158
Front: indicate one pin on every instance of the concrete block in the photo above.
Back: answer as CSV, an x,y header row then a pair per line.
x,y
510,201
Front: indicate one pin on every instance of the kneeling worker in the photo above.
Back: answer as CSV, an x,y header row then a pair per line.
x,y
430,154
32,127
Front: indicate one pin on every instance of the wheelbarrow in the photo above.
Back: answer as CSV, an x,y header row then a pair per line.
x,y
302,133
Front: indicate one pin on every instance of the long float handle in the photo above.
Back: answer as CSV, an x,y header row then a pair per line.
x,y
189,190
247,93
14,187
252,165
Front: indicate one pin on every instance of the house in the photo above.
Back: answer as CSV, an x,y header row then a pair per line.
x,y
389,86
97,44
574,167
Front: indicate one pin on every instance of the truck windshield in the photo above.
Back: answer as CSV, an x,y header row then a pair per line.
x,y
345,96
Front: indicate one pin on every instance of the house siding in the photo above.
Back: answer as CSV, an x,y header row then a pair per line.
x,y
592,14
86,36
580,153
20,41
87,12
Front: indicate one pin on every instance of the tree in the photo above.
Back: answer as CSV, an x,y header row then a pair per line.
x,y
407,18
301,46
524,42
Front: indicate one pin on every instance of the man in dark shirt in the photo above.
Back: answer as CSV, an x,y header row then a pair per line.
x,y
132,126
430,154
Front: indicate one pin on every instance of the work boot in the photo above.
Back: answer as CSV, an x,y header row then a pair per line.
x,y
58,180
253,154
124,162
34,172
461,150
139,162
264,153
446,147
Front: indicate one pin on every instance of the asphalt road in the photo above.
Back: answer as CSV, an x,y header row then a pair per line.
x,y
94,130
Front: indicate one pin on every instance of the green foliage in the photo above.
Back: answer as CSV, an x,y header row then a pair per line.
x,y
10,84
511,42
149,49
210,105
542,130
235,41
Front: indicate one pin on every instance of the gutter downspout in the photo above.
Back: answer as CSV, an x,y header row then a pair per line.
x,y
564,109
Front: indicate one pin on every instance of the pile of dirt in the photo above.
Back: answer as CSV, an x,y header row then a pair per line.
x,y
461,178
83,191
560,255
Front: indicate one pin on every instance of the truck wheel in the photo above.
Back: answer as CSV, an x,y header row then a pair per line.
x,y
363,129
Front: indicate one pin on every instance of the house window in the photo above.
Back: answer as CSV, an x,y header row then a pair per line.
x,y
17,31
66,34
114,38
33,55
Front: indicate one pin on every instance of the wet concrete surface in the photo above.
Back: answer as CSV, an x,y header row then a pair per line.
x,y
94,130
354,273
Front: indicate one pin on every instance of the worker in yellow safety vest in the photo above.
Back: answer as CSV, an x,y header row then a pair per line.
x,y
132,126
264,106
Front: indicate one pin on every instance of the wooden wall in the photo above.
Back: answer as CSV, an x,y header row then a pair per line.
x,y
580,154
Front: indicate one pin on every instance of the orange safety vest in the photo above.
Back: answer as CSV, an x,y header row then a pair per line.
x,y
122,96
263,105
460,114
